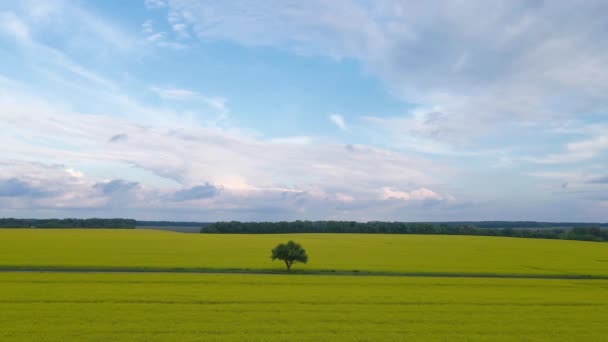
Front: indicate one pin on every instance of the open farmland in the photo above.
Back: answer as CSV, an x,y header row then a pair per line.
x,y
474,295
247,307
412,254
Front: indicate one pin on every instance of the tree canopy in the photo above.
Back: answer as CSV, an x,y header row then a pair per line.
x,y
290,253
541,230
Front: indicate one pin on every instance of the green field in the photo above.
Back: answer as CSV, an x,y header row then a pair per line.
x,y
314,305
238,307
115,249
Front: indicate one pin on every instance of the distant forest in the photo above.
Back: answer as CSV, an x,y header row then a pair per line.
x,y
542,230
67,223
525,229
171,224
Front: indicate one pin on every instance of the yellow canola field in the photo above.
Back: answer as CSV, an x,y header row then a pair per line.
x,y
252,307
340,252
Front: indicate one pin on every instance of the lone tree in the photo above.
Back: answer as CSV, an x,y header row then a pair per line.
x,y
290,253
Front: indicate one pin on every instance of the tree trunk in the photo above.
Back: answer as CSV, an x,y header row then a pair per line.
x,y
288,264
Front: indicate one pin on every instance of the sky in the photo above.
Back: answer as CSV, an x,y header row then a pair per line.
x,y
322,110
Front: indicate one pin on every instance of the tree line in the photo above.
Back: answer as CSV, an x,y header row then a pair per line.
x,y
67,223
171,224
587,232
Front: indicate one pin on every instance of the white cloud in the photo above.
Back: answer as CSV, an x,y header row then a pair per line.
x,y
12,25
218,103
577,151
287,177
76,24
160,38
338,120
420,194
155,4
174,93
51,60
74,173
181,30
419,131
156,37
480,65
344,198
147,27
50,186
101,29
177,24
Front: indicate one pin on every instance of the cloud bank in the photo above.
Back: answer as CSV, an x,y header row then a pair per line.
x,y
501,101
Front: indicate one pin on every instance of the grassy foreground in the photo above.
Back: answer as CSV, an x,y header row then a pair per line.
x,y
412,254
233,307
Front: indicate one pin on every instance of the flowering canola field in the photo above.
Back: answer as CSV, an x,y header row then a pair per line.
x,y
412,254
250,307
131,285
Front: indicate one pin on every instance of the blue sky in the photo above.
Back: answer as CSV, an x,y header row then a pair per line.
x,y
284,110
